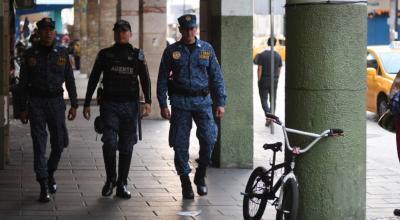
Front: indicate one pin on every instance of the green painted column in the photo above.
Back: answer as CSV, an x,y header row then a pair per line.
x,y
326,88
228,26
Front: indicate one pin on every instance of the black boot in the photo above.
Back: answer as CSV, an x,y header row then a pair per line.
x,y
44,191
199,180
108,188
52,184
123,171
110,165
187,191
122,191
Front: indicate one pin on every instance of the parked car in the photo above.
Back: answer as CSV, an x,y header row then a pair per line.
x,y
383,63
261,43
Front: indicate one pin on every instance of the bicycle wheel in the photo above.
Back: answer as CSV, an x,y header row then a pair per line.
x,y
254,201
290,202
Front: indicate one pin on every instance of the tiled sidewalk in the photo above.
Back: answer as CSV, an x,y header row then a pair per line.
x,y
153,181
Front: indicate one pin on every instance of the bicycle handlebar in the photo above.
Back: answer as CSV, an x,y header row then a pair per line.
x,y
336,132
273,118
327,133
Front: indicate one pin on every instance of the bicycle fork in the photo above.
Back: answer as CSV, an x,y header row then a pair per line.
x,y
288,176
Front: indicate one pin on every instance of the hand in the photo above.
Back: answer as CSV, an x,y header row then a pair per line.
x,y
86,112
165,113
146,110
71,113
219,113
24,117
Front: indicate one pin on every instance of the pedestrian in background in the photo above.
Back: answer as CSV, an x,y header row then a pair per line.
x,y
263,62
189,72
44,69
121,65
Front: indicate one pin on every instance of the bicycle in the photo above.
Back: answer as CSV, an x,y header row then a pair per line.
x,y
260,187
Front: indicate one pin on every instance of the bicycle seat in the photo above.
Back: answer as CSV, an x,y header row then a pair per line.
x,y
274,147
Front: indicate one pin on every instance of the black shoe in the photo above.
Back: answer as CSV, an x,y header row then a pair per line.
x,y
52,185
267,122
199,180
44,196
123,172
108,188
396,212
187,191
122,191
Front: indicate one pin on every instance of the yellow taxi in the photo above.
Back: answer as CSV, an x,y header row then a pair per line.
x,y
261,43
383,63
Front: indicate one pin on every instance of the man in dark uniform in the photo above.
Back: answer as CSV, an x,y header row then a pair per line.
x,y
263,62
121,65
189,71
44,69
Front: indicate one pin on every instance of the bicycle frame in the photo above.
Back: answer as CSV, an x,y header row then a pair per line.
x,y
295,152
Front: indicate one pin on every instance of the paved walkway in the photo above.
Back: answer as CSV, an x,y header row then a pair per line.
x,y
153,181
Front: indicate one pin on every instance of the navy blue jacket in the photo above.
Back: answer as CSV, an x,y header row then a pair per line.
x,y
44,72
191,71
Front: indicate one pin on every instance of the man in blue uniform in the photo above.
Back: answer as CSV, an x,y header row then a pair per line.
x,y
189,72
44,69
121,65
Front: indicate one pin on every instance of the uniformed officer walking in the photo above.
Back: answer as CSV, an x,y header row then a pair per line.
x,y
189,72
121,65
44,69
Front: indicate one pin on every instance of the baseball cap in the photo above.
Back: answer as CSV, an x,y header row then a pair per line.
x,y
122,25
46,22
187,21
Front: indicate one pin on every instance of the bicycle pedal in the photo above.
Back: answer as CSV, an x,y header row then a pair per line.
x,y
244,194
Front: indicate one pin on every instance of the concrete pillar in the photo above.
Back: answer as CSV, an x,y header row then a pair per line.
x,y
93,22
220,22
77,20
85,68
325,88
4,71
129,11
108,16
153,41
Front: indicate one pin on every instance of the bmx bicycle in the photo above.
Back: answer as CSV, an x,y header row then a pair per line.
x,y
260,187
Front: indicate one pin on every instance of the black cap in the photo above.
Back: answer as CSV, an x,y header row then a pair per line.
x,y
122,25
46,22
187,21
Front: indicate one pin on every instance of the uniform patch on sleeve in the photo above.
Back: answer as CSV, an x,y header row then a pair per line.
x,y
204,55
176,55
61,61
